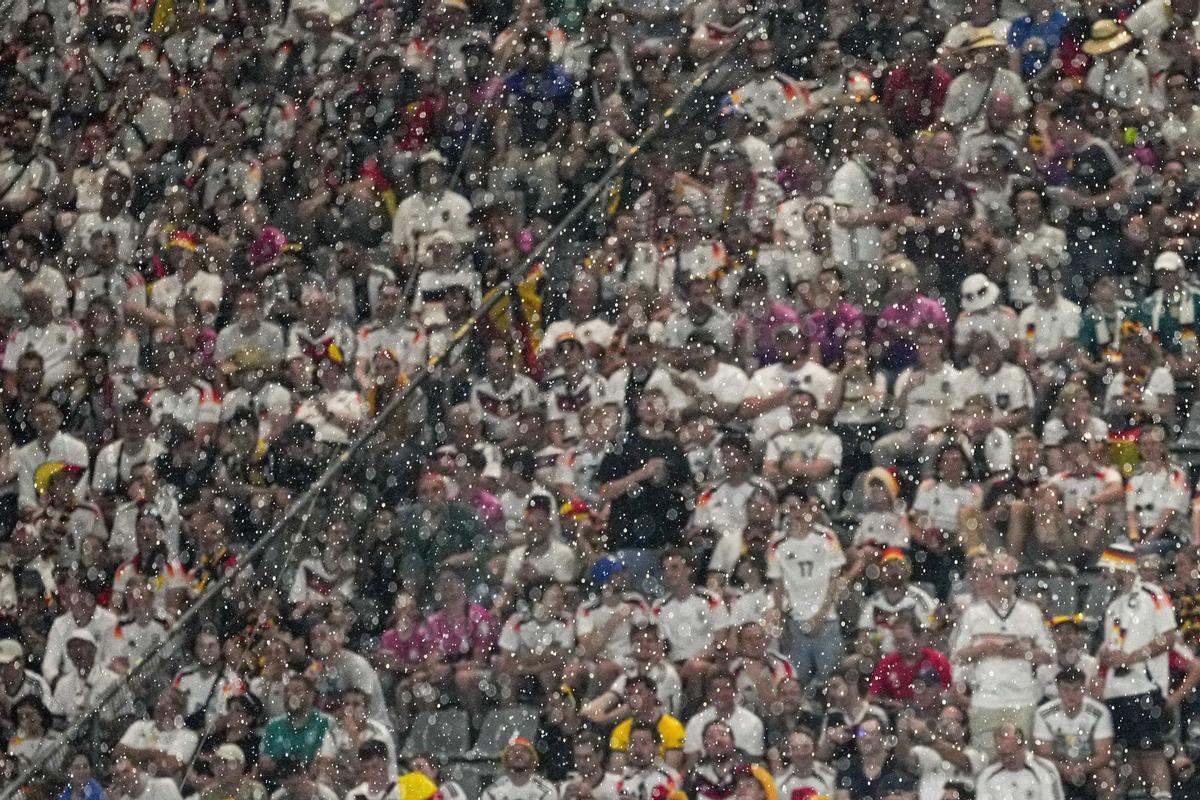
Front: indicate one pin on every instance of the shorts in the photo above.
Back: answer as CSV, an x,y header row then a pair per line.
x,y
1140,721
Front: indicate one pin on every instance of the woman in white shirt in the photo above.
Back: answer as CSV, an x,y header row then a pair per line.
x,y
1034,237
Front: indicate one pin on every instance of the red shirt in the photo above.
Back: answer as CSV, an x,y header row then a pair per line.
x,y
893,676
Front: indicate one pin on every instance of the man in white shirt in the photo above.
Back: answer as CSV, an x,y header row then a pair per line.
x,y
1048,332
999,642
1139,631
82,614
804,565
806,451
1074,732
56,341
131,783
721,696
968,95
1018,773
924,396
51,444
520,780
161,745
433,208
771,387
1004,384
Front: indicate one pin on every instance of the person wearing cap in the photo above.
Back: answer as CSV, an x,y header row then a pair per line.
x,y
985,77
1070,652
519,779
1017,772
896,594
1171,312
1048,330
81,611
1075,733
999,642
1139,632
433,207
230,781
85,680
604,626
982,314
16,680
1117,74
1093,196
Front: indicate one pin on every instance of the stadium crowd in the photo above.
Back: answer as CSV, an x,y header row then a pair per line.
x,y
840,448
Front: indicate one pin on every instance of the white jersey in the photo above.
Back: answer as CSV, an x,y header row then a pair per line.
x,y
935,771
605,789
654,782
820,783
775,378
593,614
536,788
1149,495
1073,737
1038,780
806,566
817,443
1000,682
691,623
1133,620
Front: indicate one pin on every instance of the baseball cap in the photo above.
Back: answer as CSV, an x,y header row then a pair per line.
x,y
1168,262
230,752
604,569
11,651
82,635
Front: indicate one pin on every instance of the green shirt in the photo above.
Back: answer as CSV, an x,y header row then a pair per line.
x,y
281,739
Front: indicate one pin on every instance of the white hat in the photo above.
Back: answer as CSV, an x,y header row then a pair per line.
x,y
431,157
978,293
82,635
1168,262
117,10
11,651
230,752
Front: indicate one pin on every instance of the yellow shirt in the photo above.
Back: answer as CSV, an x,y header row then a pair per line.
x,y
670,732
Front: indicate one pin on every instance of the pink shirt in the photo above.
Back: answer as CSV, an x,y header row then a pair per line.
x,y
455,640
408,648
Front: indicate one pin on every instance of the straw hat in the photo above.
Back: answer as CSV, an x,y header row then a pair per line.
x,y
1107,36
981,38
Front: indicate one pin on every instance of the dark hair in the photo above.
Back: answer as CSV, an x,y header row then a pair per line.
x,y
635,725
37,705
521,461
645,681
1070,675
373,748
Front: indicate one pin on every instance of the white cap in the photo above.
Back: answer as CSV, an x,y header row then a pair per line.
x,y
230,752
11,651
1168,262
82,635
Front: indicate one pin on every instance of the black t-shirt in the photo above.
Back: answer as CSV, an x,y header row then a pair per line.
x,y
858,785
653,514
1090,172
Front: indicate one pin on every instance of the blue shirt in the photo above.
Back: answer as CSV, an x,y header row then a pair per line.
x,y
1041,38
